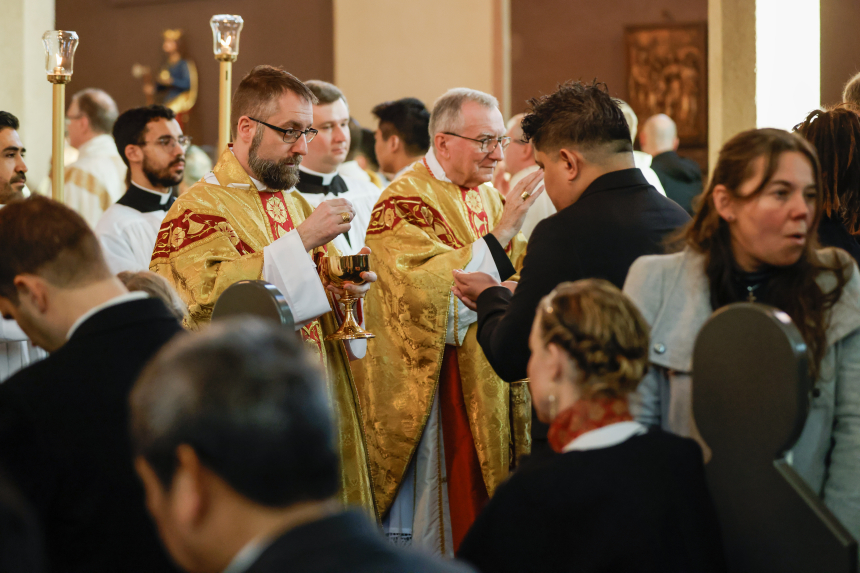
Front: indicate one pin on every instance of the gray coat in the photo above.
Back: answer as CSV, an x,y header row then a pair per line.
x,y
673,294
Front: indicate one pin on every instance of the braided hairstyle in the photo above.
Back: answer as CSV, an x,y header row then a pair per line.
x,y
602,331
835,135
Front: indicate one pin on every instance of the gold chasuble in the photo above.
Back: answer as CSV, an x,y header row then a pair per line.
x,y
421,229
212,237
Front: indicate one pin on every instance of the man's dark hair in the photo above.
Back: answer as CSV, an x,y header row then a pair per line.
x,y
247,397
368,149
579,115
8,120
130,127
409,119
258,91
99,108
39,236
355,136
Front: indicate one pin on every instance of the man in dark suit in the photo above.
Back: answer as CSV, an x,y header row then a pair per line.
x,y
235,446
681,177
608,216
64,420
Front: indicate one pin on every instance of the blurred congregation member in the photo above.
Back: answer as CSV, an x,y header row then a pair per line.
x,y
608,216
16,350
319,179
620,497
235,446
835,135
197,165
155,286
641,159
360,163
851,92
63,420
681,177
439,419
151,143
243,222
402,137
97,177
519,164
754,239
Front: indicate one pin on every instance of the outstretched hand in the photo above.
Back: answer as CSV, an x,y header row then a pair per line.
x,y
469,286
516,208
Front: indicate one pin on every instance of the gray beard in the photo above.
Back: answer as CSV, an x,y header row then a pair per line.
x,y
279,175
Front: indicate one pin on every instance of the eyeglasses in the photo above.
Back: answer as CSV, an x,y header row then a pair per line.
x,y
488,144
290,135
168,142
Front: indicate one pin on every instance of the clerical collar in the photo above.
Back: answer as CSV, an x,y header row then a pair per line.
x,y
326,177
146,200
322,183
434,167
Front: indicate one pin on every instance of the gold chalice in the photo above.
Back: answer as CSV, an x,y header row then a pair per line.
x,y
341,270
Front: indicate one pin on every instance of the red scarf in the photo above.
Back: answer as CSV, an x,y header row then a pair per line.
x,y
584,416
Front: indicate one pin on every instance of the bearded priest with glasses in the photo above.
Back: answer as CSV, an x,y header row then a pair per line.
x,y
443,428
245,221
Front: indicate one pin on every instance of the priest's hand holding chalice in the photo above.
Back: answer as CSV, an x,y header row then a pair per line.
x,y
349,277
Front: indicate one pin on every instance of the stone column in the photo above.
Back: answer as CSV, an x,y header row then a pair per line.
x,y
25,91
731,71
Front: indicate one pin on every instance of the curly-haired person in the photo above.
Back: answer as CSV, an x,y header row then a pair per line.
x,y
618,497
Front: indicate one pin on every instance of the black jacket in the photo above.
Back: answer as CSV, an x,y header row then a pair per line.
x,y
344,543
681,178
64,440
619,218
640,506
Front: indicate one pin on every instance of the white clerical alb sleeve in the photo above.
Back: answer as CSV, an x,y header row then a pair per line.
x,y
288,267
482,261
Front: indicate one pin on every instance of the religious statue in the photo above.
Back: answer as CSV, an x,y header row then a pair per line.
x,y
175,84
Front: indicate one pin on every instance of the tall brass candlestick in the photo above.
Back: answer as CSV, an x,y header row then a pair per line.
x,y
60,49
225,40
58,142
224,107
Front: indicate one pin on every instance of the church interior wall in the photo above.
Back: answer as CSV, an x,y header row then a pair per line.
x,y
116,34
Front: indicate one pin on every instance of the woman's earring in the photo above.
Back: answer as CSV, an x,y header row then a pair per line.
x,y
553,406
730,218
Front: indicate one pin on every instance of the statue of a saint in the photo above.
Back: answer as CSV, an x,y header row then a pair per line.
x,y
175,84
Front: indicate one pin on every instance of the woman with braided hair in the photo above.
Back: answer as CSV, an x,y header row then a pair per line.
x,y
616,496
835,135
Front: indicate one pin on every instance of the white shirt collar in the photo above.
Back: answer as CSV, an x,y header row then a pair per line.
x,y
404,170
247,556
435,167
127,297
326,177
610,435
162,196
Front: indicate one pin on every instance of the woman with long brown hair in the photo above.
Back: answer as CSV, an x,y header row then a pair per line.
x,y
754,238
835,135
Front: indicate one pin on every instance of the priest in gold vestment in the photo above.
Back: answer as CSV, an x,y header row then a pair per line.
x,y
443,429
238,223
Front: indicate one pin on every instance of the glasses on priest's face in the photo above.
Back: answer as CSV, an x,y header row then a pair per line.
x,y
290,135
488,144
168,142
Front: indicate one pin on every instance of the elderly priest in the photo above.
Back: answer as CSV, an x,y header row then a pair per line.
x,y
440,422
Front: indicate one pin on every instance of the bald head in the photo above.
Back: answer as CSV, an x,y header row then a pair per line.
x,y
519,154
659,135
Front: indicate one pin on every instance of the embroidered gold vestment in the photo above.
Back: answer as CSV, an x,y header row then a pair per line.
x,y
421,229
212,237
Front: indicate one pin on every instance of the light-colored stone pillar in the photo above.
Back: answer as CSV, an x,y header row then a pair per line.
x,y
731,71
389,49
25,91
